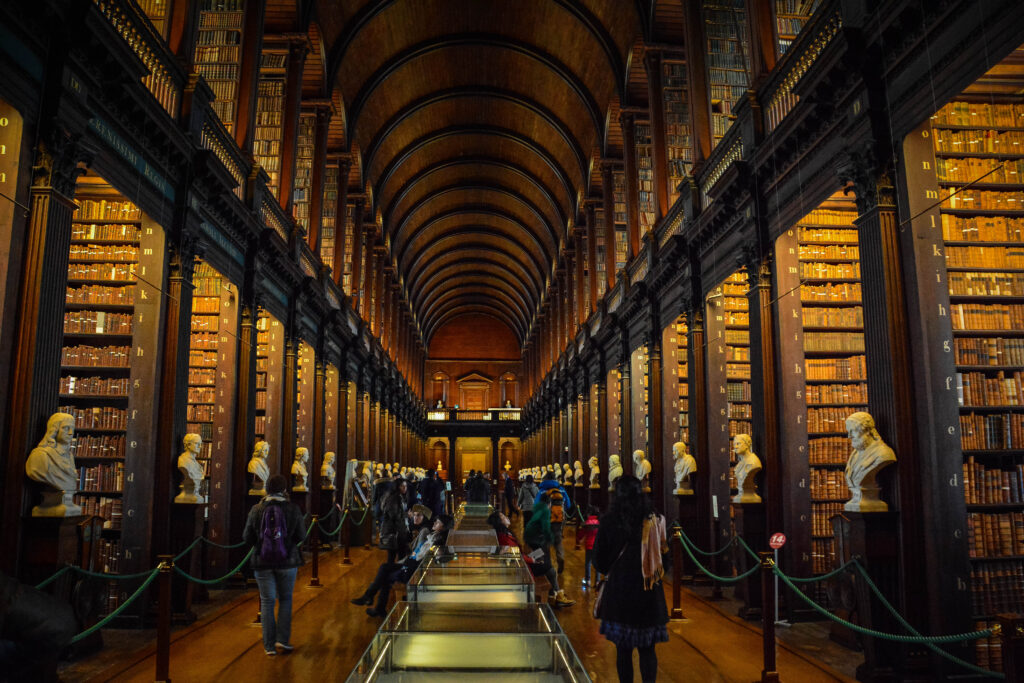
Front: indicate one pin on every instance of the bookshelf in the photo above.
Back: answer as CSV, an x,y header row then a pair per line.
x,y
613,390
599,250
350,245
621,226
983,232
332,396
268,132
305,371
202,361
156,12
218,53
269,388
647,199
329,217
109,338
303,170
725,24
735,310
675,384
640,379
790,17
678,143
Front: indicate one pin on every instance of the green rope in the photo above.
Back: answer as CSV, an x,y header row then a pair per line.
x,y
336,529
211,582
723,579
112,577
363,518
188,549
222,546
824,577
46,582
703,552
748,549
110,617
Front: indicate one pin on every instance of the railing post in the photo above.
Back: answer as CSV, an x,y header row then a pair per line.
x,y
1012,638
163,619
346,535
314,578
769,674
677,577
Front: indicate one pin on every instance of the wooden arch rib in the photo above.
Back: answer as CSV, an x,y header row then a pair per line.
x,y
471,283
485,294
454,258
515,169
507,193
482,40
461,278
410,150
400,243
466,92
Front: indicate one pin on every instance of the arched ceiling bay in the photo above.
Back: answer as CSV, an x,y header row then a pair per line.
x,y
477,125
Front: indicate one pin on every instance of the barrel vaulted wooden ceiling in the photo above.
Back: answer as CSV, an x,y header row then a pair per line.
x,y
477,127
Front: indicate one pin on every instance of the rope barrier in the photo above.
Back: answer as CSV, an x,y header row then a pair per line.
x,y
211,582
723,579
60,572
336,529
306,535
123,606
363,518
223,546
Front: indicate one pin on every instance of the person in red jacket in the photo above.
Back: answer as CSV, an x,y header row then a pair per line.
x,y
587,534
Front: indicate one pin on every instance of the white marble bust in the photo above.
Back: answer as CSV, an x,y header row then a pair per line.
x,y
567,473
683,465
259,469
578,473
300,473
642,469
869,457
191,471
747,467
52,465
614,470
327,472
595,472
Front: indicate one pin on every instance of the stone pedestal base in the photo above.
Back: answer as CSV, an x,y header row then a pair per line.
x,y
750,524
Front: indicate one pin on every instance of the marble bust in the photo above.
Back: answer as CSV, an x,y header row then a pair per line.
x,y
595,472
508,466
614,470
747,467
642,469
683,465
191,471
52,465
259,469
578,473
327,472
567,473
870,456
300,474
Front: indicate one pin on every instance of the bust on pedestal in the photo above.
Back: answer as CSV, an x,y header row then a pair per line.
x,y
614,470
747,467
508,466
578,473
684,465
595,472
191,471
258,469
327,472
52,465
869,457
642,469
567,474
300,475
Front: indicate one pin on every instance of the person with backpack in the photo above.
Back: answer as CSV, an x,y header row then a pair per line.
x,y
560,504
528,493
538,536
274,530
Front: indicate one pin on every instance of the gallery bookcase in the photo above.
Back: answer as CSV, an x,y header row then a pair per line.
x,y
725,26
270,387
218,54
678,141
647,198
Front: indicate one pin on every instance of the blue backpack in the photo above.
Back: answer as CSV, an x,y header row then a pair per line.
x,y
274,534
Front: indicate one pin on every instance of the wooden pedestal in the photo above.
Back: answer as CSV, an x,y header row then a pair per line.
x,y
750,524
326,505
598,497
186,525
688,520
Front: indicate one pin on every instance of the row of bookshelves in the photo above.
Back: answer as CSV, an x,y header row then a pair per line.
x,y
992,485
109,508
993,351
203,356
829,485
202,377
995,534
329,217
852,368
961,113
828,450
964,199
816,270
105,417
101,478
114,272
982,228
845,292
99,446
847,394
985,257
1003,431
979,389
987,316
100,294
1009,142
997,588
986,284
93,356
851,342
821,513
979,169
833,317
829,420
71,385
105,210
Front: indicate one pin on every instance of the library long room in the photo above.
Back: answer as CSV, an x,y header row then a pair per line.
x,y
586,340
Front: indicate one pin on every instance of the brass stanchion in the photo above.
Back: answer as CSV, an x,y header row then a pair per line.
x,y
769,674
677,578
163,619
346,535
314,578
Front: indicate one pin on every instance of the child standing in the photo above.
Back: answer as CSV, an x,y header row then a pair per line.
x,y
587,534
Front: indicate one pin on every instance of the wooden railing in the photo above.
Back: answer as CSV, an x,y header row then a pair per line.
x,y
488,415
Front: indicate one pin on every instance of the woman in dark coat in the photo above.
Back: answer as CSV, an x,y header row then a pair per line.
x,y
394,521
631,616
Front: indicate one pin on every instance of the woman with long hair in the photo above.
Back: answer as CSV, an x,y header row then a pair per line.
x,y
630,542
394,522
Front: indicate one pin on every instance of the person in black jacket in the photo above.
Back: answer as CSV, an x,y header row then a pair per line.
x,y
631,616
394,521
276,579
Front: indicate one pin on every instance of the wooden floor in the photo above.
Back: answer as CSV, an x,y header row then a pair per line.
x,y
330,634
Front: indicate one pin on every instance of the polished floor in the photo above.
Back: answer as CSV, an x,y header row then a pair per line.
x,y
330,634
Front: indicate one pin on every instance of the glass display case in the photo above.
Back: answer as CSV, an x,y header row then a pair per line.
x,y
473,516
444,642
488,580
472,541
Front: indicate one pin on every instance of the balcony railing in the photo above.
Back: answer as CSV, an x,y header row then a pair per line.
x,y
488,415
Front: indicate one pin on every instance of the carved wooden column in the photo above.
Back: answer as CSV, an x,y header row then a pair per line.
x,y
286,447
316,455
361,451
290,127
316,199
697,80
625,406
245,401
248,74
761,43
697,387
591,305
628,122
660,473
608,189
652,63
580,280
357,252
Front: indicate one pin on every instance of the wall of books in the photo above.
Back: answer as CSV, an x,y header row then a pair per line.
x,y
305,379
351,421
329,216
725,25
108,367
269,387
268,132
790,17
737,358
332,398
350,246
621,226
303,170
728,384
639,377
647,199
156,12
599,249
675,384
982,143
678,144
613,383
218,53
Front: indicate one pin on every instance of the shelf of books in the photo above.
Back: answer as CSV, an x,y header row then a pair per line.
x,y
218,53
305,379
332,398
982,143
156,12
725,23
108,366
613,391
678,144
269,388
350,246
790,17
303,170
647,198
599,253
680,346
621,226
735,309
266,147
329,216
639,375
